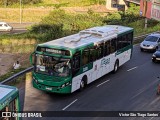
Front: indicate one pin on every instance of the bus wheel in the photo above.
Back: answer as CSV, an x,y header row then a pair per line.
x,y
82,84
116,65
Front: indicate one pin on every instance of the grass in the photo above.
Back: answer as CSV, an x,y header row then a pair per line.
x,y
28,14
61,3
11,73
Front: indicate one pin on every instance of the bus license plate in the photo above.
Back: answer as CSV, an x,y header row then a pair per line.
x,y
48,88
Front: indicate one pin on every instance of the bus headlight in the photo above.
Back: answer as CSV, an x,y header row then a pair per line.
x,y
65,84
68,83
35,80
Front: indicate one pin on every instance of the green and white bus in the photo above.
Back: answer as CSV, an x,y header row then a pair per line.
x,y
9,102
67,64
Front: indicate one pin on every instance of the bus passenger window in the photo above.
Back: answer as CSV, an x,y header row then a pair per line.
x,y
85,57
100,50
107,48
113,46
119,42
92,54
130,38
76,61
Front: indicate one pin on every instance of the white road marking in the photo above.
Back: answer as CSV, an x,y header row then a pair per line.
x,y
69,104
144,89
102,83
132,68
151,118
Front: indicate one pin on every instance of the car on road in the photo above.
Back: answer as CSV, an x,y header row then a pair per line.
x,y
5,27
151,42
156,56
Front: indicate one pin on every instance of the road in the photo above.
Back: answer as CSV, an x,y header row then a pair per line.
x,y
18,28
132,88
14,31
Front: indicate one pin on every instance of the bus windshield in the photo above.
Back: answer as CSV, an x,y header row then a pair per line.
x,y
52,65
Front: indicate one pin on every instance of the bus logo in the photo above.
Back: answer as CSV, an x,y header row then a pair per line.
x,y
85,69
6,114
105,61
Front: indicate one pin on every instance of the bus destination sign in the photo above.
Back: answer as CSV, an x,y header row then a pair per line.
x,y
53,51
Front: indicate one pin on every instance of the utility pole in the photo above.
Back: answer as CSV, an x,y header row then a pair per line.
x,y
146,21
20,21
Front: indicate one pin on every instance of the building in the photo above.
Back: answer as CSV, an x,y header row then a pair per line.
x,y
150,9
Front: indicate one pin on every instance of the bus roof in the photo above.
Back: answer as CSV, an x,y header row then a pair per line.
x,y
88,36
7,94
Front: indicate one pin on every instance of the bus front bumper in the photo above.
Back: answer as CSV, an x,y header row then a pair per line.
x,y
54,89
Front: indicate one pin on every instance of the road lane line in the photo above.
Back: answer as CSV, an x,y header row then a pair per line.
x,y
153,117
144,89
102,83
132,68
69,104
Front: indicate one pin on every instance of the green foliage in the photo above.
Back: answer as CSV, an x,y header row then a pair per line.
x,y
47,32
90,12
133,9
123,18
31,1
112,18
11,73
59,23
51,3
73,22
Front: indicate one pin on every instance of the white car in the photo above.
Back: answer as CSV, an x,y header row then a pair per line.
x,y
151,42
5,27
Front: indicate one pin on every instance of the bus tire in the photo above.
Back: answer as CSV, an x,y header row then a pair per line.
x,y
116,65
82,84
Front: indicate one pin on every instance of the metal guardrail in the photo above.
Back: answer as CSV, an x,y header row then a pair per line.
x,y
143,36
31,68
16,75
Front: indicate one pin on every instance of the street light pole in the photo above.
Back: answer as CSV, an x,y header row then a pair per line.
x,y
20,12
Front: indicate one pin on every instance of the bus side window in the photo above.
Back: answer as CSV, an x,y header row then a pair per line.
x,y
92,55
85,56
130,38
76,63
113,46
12,105
124,40
99,50
107,48
119,42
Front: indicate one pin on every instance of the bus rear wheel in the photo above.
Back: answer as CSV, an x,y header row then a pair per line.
x,y
116,65
82,85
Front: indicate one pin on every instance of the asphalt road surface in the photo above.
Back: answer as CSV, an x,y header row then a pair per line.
x,y
14,31
132,88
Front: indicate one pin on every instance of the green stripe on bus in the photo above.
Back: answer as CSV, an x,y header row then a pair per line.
x,y
123,49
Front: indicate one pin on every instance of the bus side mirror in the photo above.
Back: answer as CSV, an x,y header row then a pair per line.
x,y
32,58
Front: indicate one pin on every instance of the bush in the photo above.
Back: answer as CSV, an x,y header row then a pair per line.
x,y
44,28
45,32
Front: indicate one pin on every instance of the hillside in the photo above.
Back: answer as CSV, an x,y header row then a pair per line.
x,y
35,14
